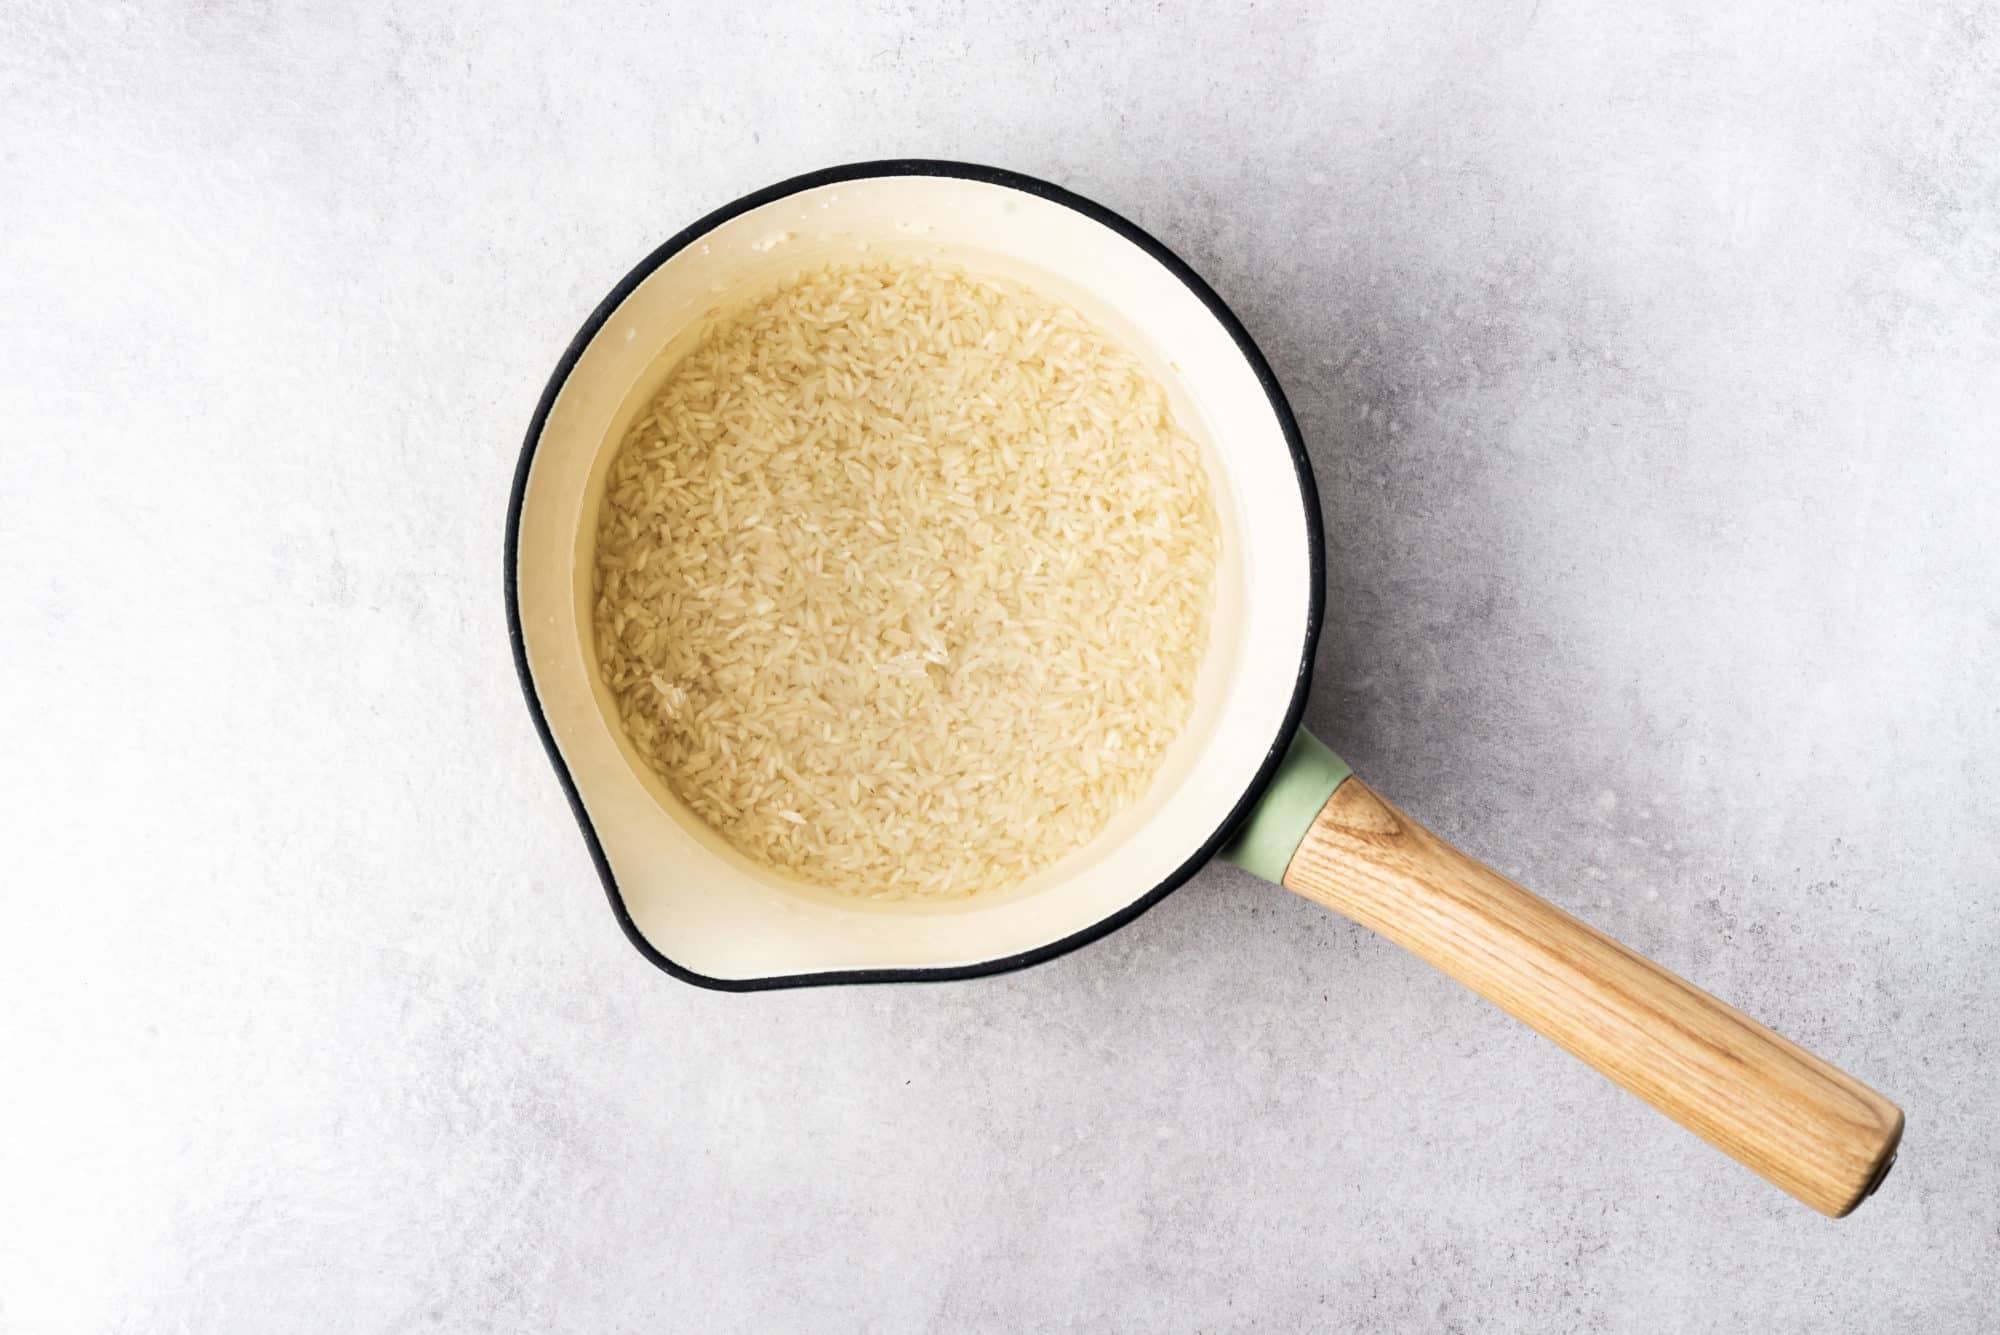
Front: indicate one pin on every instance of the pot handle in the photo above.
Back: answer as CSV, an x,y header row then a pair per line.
x,y
1805,1126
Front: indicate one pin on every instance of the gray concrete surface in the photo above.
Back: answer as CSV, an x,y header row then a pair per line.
x,y
1648,360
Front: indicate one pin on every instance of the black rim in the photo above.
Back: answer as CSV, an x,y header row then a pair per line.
x,y
1308,495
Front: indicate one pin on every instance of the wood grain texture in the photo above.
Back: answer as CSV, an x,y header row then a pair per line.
x,y
1811,1129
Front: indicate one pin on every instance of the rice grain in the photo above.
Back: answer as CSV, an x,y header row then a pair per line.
x,y
903,581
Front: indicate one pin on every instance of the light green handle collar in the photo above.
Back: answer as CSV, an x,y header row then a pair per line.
x,y
1272,832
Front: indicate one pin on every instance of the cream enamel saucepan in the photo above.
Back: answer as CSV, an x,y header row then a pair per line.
x,y
1243,781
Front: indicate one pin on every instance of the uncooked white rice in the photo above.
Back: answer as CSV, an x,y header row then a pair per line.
x,y
904,578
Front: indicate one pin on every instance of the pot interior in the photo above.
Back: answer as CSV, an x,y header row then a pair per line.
x,y
690,898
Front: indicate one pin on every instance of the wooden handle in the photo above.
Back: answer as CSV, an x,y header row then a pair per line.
x,y
1817,1132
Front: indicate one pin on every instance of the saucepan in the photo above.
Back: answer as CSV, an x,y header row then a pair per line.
x,y
1242,781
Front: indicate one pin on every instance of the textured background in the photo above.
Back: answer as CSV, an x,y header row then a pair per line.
x,y
1649,365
